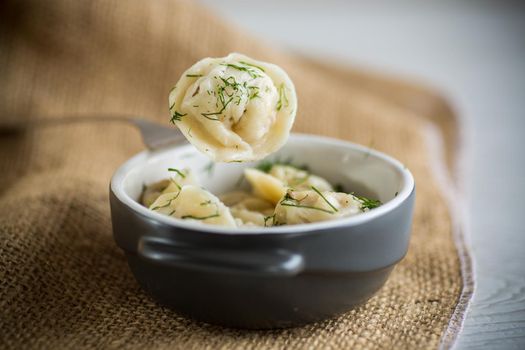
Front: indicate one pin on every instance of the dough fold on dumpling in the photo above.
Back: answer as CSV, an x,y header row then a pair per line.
x,y
248,209
178,179
299,179
195,204
301,207
265,186
234,108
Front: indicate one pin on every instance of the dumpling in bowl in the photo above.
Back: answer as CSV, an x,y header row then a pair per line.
x,y
265,186
248,209
234,108
195,204
178,179
301,207
299,179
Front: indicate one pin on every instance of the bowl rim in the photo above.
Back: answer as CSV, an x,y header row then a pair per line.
x,y
117,180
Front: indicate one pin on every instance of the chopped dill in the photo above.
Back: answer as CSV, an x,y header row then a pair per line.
x,y
266,165
194,75
168,203
200,217
175,183
207,116
224,105
368,203
282,97
324,198
177,116
178,172
254,94
252,65
266,218
306,207
209,168
289,201
250,70
208,202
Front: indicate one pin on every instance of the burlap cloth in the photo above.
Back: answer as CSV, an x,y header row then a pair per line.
x,y
63,281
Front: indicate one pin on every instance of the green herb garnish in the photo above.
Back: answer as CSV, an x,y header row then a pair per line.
x,y
178,172
267,164
289,201
175,183
368,203
194,75
254,92
200,217
168,203
252,72
252,65
282,97
324,198
177,116
266,218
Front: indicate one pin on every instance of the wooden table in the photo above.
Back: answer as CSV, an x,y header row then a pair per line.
x,y
474,54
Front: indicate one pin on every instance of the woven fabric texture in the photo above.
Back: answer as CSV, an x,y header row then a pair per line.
x,y
63,281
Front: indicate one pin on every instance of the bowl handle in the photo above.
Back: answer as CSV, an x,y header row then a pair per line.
x,y
257,262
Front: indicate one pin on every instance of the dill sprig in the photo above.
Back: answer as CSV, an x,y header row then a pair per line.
x,y
231,83
176,183
266,165
282,97
324,198
289,201
254,92
178,172
200,217
368,203
194,75
168,203
176,116
252,65
266,218
248,69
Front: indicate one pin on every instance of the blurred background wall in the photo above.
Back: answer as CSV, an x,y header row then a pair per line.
x,y
474,54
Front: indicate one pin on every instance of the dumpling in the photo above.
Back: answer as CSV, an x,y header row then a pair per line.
x,y
153,191
300,207
234,108
299,179
265,186
248,209
195,204
173,185
179,179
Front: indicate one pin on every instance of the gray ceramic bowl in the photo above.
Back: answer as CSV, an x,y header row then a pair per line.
x,y
265,277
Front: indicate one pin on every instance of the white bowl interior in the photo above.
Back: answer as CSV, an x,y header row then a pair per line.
x,y
358,169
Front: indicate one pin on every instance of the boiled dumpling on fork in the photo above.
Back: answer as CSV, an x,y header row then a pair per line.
x,y
234,108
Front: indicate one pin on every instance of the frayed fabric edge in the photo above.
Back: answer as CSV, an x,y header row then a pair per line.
x,y
456,203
